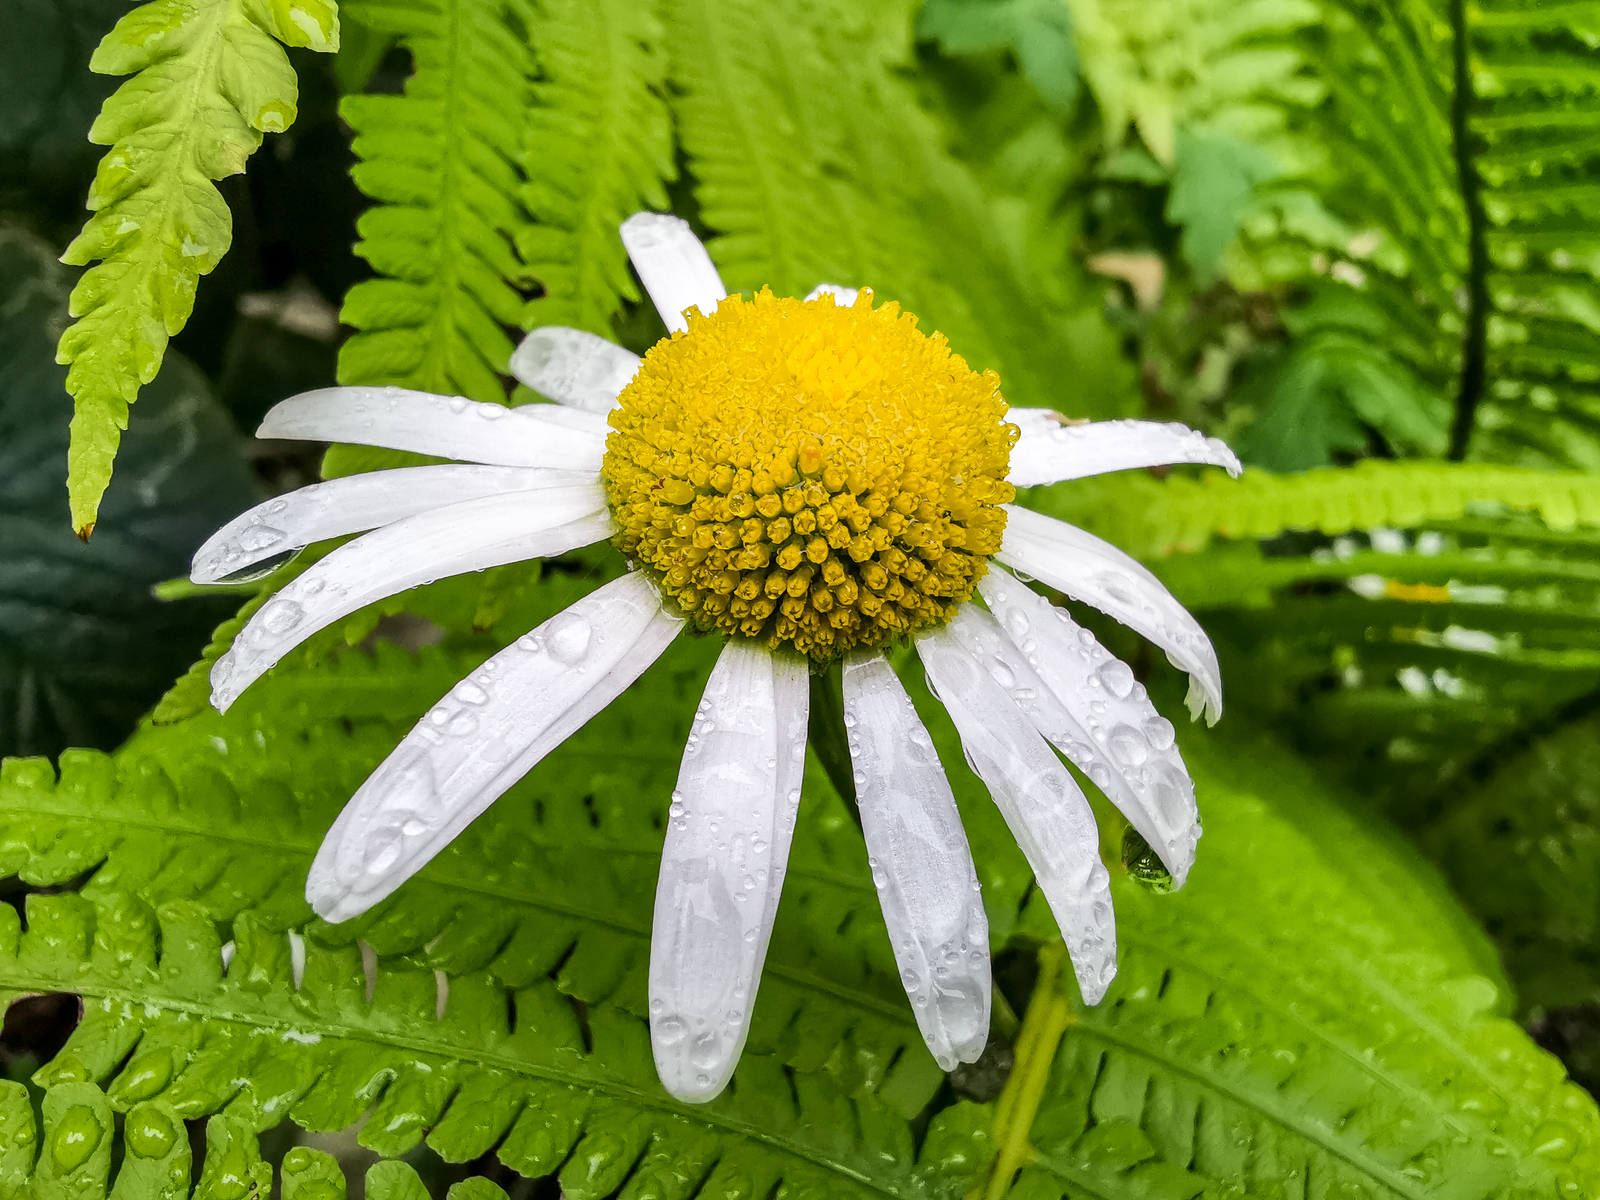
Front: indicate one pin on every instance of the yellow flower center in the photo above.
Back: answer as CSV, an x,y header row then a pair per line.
x,y
810,475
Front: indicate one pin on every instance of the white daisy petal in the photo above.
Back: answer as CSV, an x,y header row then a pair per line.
x,y
1043,806
574,367
1049,452
536,435
461,537
920,862
489,731
356,503
722,866
1088,704
673,266
1097,573
844,297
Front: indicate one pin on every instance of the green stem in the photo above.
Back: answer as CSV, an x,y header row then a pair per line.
x,y
1044,1024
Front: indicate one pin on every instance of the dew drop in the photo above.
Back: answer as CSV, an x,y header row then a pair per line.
x,y
458,404
382,854
1117,677
259,537
670,1031
464,724
471,693
281,616
567,638
1159,732
1127,745
1001,673
705,1051
910,978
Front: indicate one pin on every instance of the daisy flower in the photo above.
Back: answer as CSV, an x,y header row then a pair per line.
x,y
813,480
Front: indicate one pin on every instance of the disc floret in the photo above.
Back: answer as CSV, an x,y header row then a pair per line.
x,y
809,474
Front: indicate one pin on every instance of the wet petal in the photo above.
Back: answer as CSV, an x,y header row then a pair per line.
x,y
353,504
1043,806
920,862
844,297
728,835
535,435
1049,452
1089,705
444,541
1097,573
482,737
673,266
574,367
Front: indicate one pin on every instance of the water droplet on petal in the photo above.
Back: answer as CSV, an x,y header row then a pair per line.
x,y
259,537
281,616
670,1031
471,693
1117,677
1127,745
567,638
1159,732
705,1052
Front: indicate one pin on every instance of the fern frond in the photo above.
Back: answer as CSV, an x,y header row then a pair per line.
x,y
816,164
1153,518
209,81
597,148
442,162
506,1069
1280,936
1536,122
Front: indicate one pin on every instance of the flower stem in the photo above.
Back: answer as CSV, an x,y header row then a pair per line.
x,y
1043,1025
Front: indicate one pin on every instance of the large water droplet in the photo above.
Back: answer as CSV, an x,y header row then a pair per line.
x,y
471,693
383,852
705,1053
1159,732
567,638
260,537
463,724
670,1031
910,978
76,1137
1001,673
1127,745
281,616
1117,677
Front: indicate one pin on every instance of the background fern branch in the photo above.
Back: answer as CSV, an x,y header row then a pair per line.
x,y
209,81
442,162
597,148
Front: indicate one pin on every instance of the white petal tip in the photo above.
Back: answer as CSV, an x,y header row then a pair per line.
x,y
1094,979
1201,701
693,1068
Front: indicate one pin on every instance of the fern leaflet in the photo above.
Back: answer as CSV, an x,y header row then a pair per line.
x,y
441,161
597,147
208,81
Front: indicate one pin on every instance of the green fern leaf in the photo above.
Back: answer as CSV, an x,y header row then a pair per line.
x,y
816,164
597,147
209,81
458,1026
1153,518
442,161
1281,939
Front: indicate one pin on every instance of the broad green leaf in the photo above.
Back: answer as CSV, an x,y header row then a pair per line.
x,y
84,647
208,81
